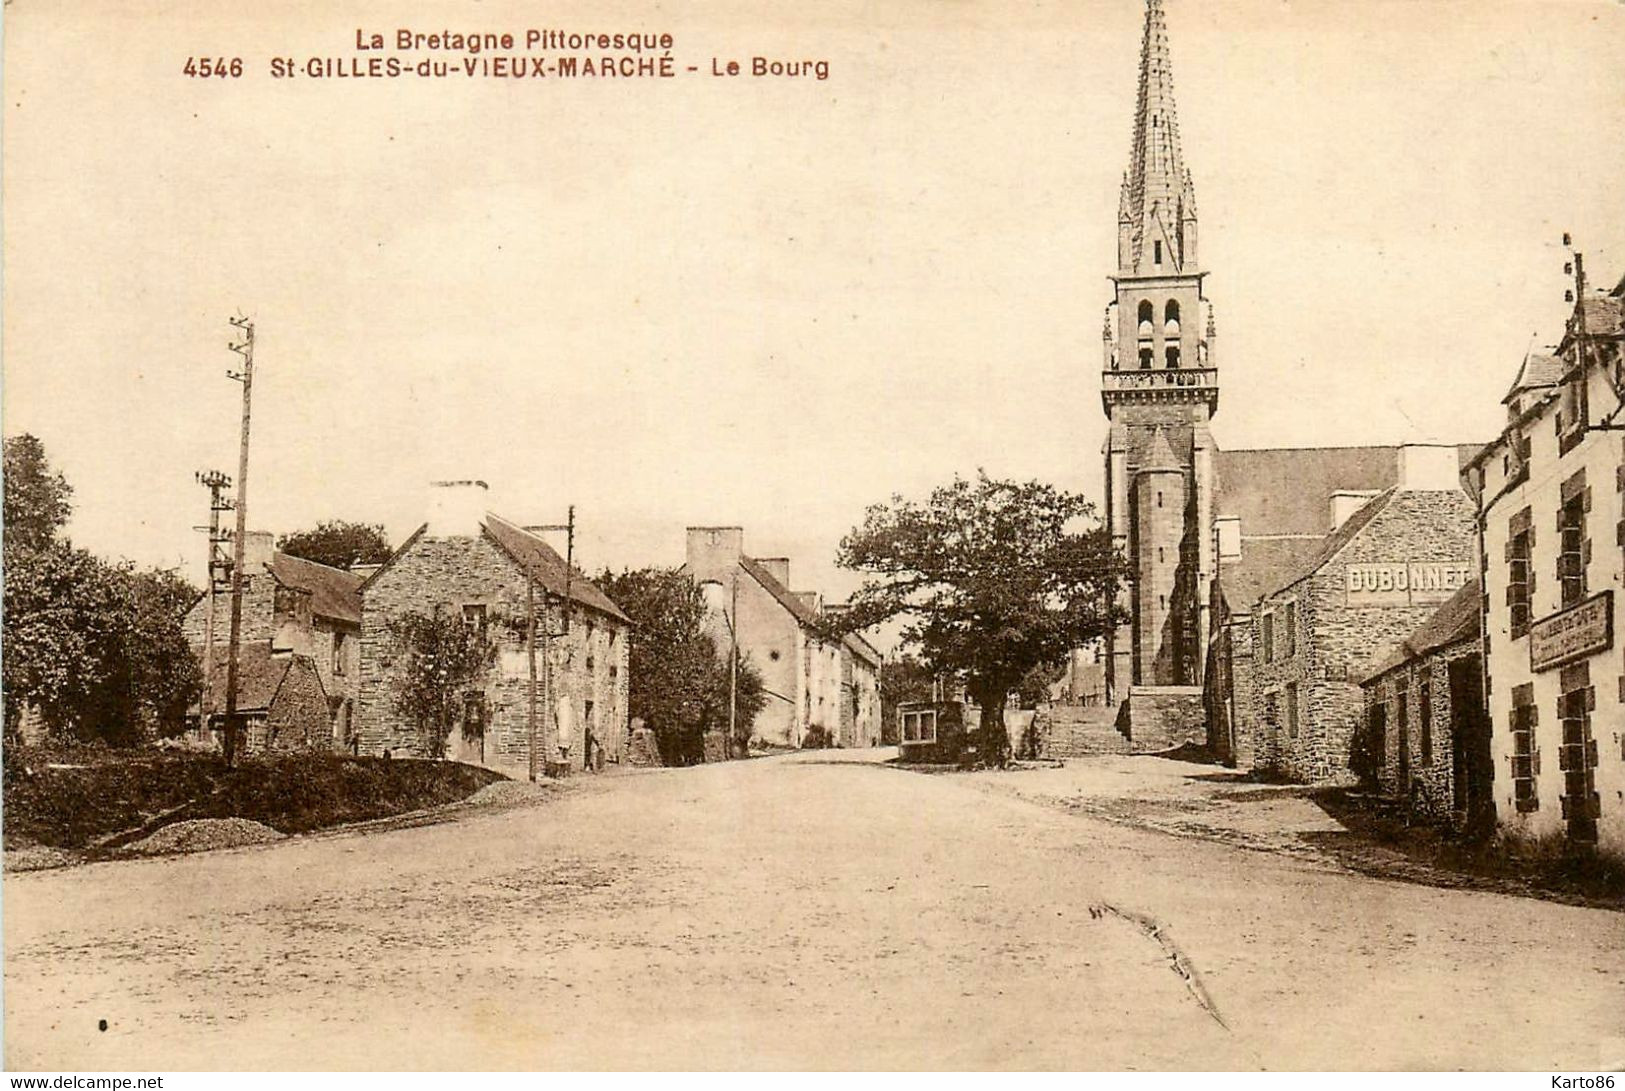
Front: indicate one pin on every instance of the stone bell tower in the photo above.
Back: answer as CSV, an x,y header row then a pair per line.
x,y
1159,386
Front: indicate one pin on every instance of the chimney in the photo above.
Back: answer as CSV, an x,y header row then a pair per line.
x,y
812,600
364,570
1429,467
1227,529
777,567
713,552
1345,502
457,508
258,545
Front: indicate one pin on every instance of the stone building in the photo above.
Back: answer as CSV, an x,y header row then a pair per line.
x,y
1368,584
1427,733
291,607
493,574
1551,515
281,702
811,681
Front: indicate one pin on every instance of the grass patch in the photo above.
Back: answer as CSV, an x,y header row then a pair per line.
x,y
73,799
1551,864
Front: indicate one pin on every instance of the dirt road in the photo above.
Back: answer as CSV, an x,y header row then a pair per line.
x,y
791,913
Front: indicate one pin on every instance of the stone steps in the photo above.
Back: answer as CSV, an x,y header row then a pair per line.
x,y
1074,731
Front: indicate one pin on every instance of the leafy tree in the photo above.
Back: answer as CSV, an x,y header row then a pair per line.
x,y
678,681
904,678
339,543
439,657
36,496
96,648
996,577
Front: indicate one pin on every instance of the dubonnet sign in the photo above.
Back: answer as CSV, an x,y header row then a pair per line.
x,y
1405,583
1583,629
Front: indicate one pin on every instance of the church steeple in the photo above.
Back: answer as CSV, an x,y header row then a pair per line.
x,y
1157,209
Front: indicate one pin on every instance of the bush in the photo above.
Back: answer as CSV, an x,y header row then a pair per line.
x,y
817,738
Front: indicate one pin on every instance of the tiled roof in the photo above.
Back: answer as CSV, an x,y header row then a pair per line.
x,y
530,551
1455,621
259,676
334,593
1288,490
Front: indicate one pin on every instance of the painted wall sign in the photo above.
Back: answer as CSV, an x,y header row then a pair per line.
x,y
1583,629
1405,583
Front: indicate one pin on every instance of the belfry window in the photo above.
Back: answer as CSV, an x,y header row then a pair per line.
x,y
1172,354
1147,315
1170,318
1145,358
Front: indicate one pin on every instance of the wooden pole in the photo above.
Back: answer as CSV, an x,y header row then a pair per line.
x,y
245,349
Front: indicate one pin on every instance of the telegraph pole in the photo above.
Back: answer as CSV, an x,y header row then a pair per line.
x,y
219,568
547,633
245,349
530,654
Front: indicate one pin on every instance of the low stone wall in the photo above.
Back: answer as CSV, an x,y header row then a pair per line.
x,y
1158,718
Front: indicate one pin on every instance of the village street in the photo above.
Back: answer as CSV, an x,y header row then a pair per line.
x,y
798,912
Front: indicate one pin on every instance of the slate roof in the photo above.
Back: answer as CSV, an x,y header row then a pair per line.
x,y
529,550
334,593
1538,371
259,677
801,611
1334,542
1451,623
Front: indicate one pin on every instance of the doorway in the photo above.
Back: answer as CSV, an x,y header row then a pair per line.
x,y
1471,764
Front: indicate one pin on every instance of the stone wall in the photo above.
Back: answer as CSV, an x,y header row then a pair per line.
x,y
1333,641
588,666
1431,777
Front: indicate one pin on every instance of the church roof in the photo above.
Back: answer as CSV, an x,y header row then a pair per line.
x,y
1288,490
1248,578
1157,191
1161,454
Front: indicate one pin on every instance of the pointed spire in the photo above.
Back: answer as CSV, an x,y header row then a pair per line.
x,y
1158,196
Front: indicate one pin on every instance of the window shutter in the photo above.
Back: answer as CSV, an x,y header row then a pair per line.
x,y
1531,539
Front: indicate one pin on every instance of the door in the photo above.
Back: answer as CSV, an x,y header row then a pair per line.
x,y
1471,764
1402,731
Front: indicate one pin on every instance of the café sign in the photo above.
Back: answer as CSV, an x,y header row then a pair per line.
x,y
1405,583
1583,629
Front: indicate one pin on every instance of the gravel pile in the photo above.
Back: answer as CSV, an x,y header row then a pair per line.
x,y
506,793
201,834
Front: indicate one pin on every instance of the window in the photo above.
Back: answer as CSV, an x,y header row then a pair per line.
x,y
1424,714
1145,357
1289,630
1379,737
340,652
1292,710
1171,354
586,714
1520,576
473,715
1170,315
1573,550
1157,250
1146,315
474,617
1577,756
1268,637
1159,499
614,672
919,726
1525,758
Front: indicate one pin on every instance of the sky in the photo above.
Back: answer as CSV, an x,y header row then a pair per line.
x,y
756,301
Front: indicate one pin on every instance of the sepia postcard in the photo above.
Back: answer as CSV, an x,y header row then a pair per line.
x,y
926,535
